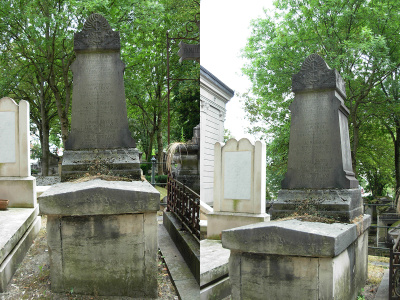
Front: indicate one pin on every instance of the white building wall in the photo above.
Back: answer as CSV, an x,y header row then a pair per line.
x,y
213,98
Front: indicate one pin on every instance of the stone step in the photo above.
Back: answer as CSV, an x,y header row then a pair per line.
x,y
19,226
383,289
183,279
214,270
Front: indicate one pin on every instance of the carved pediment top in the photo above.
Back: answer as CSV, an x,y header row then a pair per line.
x,y
315,74
96,35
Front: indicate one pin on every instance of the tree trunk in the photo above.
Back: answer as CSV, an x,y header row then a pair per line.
x,y
356,130
397,157
150,146
44,143
160,149
62,111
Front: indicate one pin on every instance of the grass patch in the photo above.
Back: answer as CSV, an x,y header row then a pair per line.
x,y
163,191
375,272
378,258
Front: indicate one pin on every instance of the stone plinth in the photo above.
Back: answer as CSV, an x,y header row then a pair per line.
x,y
20,191
102,237
340,204
295,259
118,162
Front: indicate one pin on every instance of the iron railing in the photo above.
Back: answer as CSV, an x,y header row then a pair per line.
x,y
185,204
394,271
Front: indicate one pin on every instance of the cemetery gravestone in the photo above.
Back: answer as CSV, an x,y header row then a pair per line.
x,y
20,223
16,183
319,161
102,235
99,125
311,260
239,186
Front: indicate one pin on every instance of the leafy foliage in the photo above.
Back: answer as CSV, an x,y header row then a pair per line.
x,y
36,51
358,38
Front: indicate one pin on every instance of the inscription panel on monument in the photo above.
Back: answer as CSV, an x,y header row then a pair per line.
x,y
237,175
313,159
7,137
99,101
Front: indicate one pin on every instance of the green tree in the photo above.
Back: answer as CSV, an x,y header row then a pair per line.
x,y
358,38
389,116
375,157
185,106
37,51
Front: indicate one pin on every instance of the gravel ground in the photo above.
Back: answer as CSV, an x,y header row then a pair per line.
x,y
32,279
47,180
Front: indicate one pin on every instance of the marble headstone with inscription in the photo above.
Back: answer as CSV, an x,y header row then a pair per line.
x,y
99,137
319,162
239,186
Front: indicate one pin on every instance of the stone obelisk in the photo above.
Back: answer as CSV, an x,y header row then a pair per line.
x,y
319,162
99,137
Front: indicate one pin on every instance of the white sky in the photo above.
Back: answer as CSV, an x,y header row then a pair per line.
x,y
224,29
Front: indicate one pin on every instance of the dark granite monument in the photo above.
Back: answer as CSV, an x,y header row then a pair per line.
x,y
99,126
316,259
101,233
319,162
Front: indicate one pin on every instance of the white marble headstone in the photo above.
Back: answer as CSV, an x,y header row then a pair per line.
x,y
239,177
7,137
14,138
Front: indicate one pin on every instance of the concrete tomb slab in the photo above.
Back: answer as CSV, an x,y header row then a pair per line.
x,y
102,237
286,258
99,197
19,228
295,238
214,271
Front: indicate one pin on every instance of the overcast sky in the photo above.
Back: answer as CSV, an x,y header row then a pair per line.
x,y
224,29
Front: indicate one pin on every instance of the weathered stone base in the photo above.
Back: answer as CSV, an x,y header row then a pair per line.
x,y
341,204
20,191
118,162
19,227
112,255
218,221
102,237
301,260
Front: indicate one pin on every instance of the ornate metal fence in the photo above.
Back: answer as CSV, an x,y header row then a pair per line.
x,y
185,204
394,271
